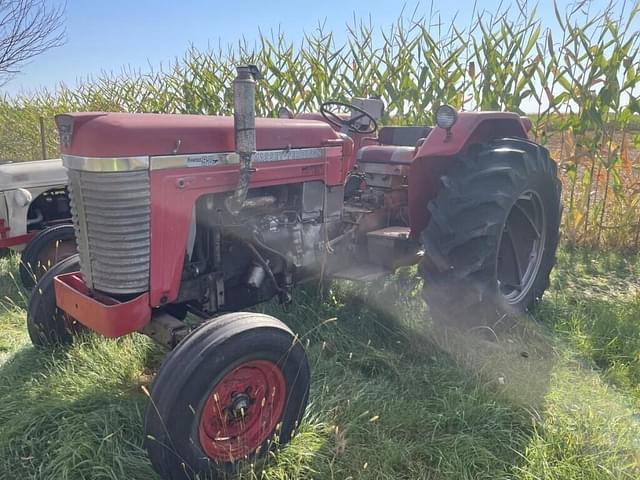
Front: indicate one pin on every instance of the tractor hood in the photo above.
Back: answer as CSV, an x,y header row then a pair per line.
x,y
141,134
38,173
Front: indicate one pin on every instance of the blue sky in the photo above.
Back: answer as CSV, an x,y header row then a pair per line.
x,y
107,35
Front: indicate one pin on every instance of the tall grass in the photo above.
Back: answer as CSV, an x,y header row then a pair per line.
x,y
579,84
392,396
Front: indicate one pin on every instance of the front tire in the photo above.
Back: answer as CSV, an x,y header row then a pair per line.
x,y
491,241
46,323
47,248
222,395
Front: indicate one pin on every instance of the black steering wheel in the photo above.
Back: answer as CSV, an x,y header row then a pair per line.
x,y
326,109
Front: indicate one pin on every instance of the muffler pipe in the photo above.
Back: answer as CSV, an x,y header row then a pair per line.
x,y
244,126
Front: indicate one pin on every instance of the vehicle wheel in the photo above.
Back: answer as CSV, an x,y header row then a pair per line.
x,y
491,241
46,249
223,394
47,325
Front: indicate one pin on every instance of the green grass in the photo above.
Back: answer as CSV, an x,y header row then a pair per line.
x,y
392,397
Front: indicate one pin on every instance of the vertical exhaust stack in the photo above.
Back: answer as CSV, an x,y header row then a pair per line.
x,y
244,123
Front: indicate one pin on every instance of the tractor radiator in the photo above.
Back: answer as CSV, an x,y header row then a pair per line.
x,y
111,215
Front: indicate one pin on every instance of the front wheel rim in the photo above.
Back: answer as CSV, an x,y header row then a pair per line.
x,y
242,411
521,247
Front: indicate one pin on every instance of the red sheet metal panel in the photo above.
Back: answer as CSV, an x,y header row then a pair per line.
x,y
100,313
136,134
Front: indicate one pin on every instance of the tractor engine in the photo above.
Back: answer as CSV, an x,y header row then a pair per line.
x,y
273,242
294,223
291,220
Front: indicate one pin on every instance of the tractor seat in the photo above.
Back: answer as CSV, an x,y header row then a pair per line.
x,y
402,136
386,154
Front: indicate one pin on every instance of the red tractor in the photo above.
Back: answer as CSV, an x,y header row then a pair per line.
x,y
179,214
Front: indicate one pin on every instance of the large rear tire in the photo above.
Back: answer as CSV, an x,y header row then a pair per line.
x,y
47,248
46,323
491,241
223,394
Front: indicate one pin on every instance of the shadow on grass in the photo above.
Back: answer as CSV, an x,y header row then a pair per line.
x,y
388,400
392,397
62,417
27,364
395,398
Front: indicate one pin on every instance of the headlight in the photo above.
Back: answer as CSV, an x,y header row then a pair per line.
x,y
446,117
284,112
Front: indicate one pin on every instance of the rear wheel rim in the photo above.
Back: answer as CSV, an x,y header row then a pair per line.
x,y
242,411
521,247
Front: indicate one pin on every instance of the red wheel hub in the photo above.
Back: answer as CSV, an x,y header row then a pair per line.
x,y
242,411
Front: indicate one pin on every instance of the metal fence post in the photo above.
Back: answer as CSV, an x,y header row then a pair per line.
x,y
43,142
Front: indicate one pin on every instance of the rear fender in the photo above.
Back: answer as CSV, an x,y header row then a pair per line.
x,y
439,147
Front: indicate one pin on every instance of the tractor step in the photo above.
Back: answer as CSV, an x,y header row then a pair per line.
x,y
390,233
354,209
366,272
389,245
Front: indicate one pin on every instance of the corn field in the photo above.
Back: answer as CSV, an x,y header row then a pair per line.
x,y
578,86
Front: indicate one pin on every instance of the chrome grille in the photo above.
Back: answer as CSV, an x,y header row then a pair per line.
x,y
111,214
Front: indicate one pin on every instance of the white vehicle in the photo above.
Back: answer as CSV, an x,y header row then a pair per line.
x,y
35,215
